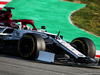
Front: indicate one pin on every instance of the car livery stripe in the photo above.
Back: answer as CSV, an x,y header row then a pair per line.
x,y
3,3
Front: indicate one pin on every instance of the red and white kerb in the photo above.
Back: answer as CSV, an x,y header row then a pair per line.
x,y
3,3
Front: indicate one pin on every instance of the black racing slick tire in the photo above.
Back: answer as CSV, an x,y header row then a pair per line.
x,y
30,44
85,46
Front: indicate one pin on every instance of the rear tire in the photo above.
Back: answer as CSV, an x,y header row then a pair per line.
x,y
30,44
85,46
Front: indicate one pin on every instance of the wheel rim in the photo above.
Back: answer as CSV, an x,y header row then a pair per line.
x,y
79,45
26,46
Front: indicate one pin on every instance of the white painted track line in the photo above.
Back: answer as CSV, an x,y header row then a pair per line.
x,y
97,52
5,0
2,5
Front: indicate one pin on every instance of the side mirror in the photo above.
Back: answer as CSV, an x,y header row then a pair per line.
x,y
43,27
61,36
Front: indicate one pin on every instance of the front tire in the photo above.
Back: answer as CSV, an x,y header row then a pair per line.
x,y
85,46
29,46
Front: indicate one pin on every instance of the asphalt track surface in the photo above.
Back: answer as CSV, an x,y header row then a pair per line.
x,y
15,65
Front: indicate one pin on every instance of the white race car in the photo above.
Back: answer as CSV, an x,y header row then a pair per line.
x,y
22,37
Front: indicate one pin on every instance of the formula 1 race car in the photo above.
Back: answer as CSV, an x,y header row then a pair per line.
x,y
22,37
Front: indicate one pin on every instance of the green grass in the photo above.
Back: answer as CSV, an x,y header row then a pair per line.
x,y
88,18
